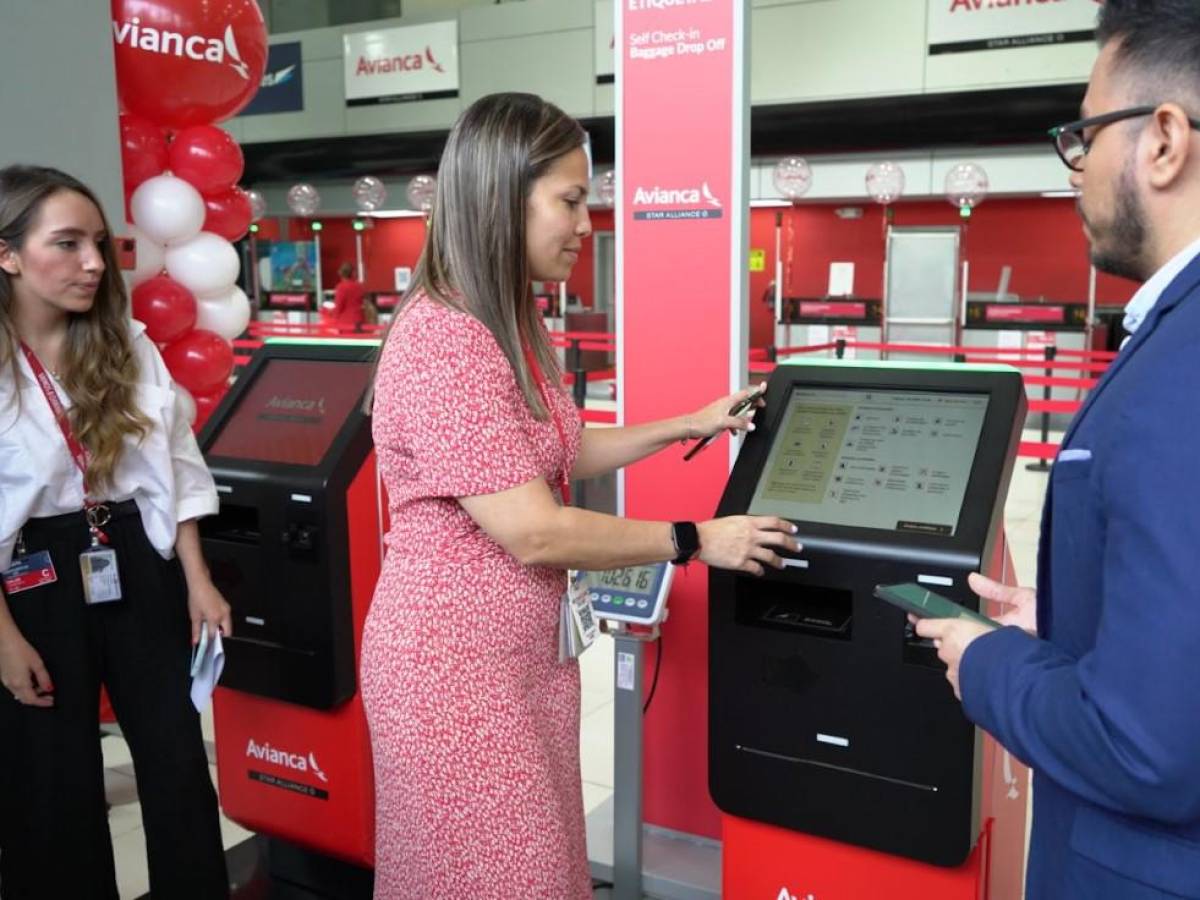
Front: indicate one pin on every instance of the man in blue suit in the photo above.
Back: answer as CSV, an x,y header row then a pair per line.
x,y
1103,700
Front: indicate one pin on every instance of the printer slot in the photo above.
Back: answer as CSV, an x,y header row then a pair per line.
x,y
233,523
810,609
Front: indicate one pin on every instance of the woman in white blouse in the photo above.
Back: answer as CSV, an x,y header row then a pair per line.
x,y
101,483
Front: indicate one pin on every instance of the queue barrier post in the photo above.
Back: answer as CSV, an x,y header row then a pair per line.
x,y
1042,465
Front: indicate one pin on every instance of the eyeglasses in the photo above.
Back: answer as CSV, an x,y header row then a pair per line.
x,y
1072,146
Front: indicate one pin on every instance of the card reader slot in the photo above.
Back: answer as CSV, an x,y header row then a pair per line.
x,y
810,609
232,523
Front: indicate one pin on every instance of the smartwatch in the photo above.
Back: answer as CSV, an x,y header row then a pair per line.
x,y
686,539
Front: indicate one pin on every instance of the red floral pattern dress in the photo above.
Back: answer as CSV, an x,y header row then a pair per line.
x,y
474,721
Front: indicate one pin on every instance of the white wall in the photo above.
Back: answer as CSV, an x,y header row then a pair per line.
x,y
58,93
800,51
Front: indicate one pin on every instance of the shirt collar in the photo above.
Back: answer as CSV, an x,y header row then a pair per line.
x,y
1147,295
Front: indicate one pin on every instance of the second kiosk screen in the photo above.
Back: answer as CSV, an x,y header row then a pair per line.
x,y
897,461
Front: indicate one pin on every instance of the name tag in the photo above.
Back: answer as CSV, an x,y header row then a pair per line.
x,y
28,572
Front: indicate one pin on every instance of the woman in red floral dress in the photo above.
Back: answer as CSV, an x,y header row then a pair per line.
x,y
474,720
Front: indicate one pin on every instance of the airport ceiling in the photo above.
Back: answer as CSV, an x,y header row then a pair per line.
x,y
968,118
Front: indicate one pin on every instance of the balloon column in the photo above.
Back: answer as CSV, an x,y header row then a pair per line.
x,y
793,179
183,65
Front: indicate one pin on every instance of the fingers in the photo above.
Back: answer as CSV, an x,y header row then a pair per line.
x,y
227,622
41,678
36,690
985,587
766,555
772,523
197,620
932,628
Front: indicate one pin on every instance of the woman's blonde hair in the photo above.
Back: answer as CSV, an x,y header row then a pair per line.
x,y
475,257
99,370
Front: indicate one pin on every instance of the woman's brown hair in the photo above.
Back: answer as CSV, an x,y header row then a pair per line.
x,y
475,257
99,370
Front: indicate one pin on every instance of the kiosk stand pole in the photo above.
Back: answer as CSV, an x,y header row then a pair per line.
x,y
627,758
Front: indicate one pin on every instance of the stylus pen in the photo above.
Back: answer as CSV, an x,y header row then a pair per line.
x,y
738,408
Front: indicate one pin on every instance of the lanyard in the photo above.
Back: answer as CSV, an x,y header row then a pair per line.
x,y
96,513
536,370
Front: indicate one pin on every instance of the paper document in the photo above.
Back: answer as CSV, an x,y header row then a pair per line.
x,y
207,671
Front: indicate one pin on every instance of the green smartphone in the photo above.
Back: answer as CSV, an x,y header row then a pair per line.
x,y
925,604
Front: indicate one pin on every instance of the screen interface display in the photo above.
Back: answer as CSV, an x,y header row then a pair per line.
x,y
293,411
635,579
866,458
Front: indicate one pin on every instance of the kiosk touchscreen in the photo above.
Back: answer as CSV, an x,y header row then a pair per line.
x,y
296,550
827,714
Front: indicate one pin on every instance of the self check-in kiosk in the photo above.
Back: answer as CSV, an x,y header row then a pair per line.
x,y
828,716
296,550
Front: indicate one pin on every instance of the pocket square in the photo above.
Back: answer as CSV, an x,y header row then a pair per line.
x,y
1075,454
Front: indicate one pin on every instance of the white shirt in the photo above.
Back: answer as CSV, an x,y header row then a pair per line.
x,y
1138,308
164,473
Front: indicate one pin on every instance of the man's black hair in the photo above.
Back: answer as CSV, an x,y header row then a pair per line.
x,y
1159,39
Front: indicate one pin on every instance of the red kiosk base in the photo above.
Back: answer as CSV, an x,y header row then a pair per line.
x,y
762,862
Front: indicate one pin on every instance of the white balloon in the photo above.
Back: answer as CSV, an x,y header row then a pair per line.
x,y
303,199
168,209
885,182
421,192
205,265
369,193
226,315
258,204
149,256
605,187
792,177
966,185
185,405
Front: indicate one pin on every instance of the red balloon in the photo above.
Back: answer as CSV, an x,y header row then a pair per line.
x,y
143,150
229,214
188,62
205,406
200,360
206,157
167,308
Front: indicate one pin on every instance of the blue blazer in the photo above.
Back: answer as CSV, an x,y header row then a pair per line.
x,y
1105,705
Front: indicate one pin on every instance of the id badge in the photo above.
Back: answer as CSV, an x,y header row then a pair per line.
x,y
101,580
31,571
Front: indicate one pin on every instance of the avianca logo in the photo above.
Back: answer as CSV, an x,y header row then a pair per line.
x,y
404,62
785,894
297,403
267,753
659,196
173,43
284,75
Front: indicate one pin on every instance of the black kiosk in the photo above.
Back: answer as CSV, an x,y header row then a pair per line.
x,y
827,715
296,549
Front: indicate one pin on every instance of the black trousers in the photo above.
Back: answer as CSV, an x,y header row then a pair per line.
x,y
54,838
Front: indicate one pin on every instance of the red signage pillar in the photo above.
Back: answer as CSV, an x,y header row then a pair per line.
x,y
682,203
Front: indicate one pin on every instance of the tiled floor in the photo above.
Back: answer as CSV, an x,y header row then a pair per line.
x,y
1022,513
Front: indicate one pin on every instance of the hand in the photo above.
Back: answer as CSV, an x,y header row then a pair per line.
x,y
1022,602
744,543
207,606
23,673
715,417
951,637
